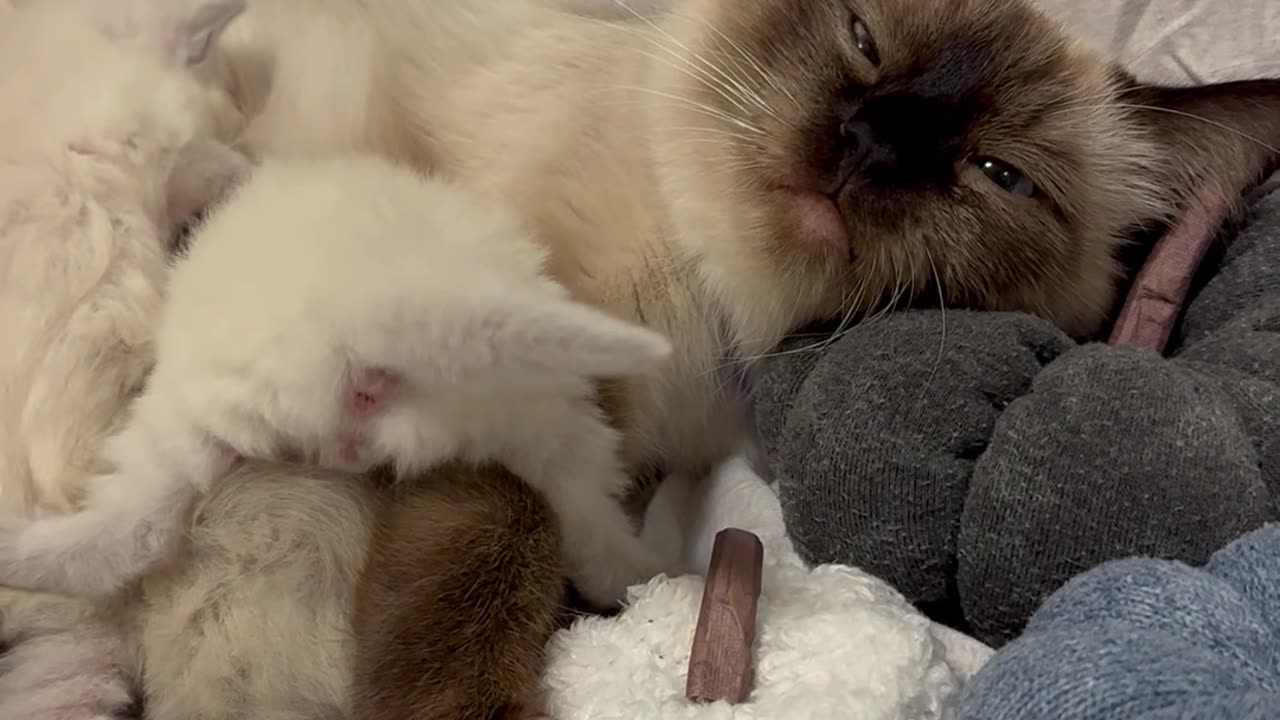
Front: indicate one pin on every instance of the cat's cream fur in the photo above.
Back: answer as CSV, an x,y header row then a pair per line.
x,y
106,142
349,312
673,170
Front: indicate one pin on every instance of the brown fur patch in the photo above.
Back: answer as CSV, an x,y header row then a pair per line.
x,y
460,592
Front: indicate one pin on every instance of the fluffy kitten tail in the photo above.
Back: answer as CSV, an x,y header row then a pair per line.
x,y
95,552
460,593
132,518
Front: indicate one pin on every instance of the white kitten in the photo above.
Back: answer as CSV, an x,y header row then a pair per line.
x,y
351,312
105,140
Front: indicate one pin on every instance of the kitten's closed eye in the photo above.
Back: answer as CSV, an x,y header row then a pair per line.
x,y
863,41
1005,176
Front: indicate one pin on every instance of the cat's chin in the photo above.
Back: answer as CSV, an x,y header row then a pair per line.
x,y
815,218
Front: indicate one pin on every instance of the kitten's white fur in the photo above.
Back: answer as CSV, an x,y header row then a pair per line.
x,y
351,312
105,140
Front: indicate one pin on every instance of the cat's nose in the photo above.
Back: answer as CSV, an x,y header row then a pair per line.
x,y
862,152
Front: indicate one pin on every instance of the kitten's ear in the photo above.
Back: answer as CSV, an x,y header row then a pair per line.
x,y
182,31
205,172
563,338
1214,140
196,32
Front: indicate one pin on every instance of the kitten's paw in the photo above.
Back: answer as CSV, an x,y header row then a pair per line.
x,y
603,577
369,391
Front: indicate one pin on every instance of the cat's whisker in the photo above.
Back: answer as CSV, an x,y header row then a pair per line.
x,y
773,354
768,77
1258,68
734,93
726,81
697,107
844,320
942,309
708,132
692,55
744,74
745,55
1208,121
719,88
700,108
757,100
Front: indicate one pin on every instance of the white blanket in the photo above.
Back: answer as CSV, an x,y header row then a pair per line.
x,y
1180,42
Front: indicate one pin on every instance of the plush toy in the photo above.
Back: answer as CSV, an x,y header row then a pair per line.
x,y
830,641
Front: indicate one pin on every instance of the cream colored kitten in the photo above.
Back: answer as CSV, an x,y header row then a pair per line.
x,y
104,146
106,142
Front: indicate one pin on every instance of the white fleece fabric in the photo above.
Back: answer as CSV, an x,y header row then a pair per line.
x,y
1180,42
831,642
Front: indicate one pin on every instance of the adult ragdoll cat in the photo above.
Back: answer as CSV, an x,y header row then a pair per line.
x,y
107,142
349,312
729,171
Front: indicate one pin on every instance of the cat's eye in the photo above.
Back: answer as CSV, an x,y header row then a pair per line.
x,y
862,40
1006,177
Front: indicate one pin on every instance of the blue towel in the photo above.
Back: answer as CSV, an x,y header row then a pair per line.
x,y
1144,639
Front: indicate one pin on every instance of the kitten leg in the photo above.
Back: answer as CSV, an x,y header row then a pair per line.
x,y
603,553
132,518
583,479
733,495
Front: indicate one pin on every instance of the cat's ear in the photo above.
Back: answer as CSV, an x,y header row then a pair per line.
x,y
195,32
563,338
1213,140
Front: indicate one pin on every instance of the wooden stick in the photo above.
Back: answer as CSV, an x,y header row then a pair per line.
x,y
720,661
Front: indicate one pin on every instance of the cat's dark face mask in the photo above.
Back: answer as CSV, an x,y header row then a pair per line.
x,y
957,151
